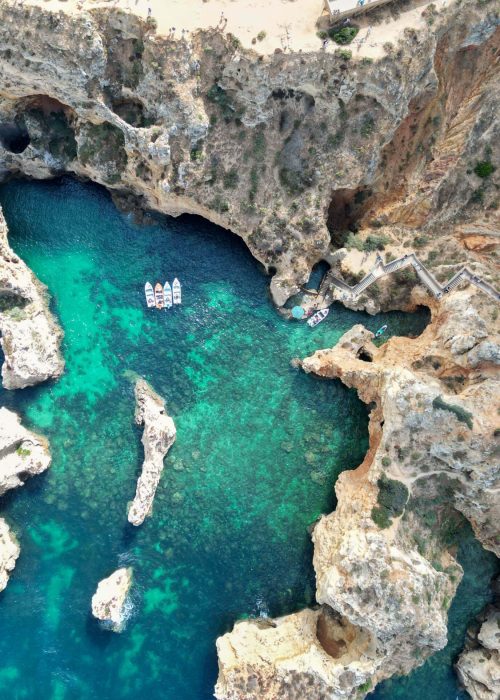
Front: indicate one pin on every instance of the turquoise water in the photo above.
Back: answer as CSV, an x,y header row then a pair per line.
x,y
259,445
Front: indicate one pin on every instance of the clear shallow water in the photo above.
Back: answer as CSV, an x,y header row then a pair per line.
x,y
259,445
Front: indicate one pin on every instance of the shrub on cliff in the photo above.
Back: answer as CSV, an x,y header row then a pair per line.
x,y
484,168
461,414
343,36
392,498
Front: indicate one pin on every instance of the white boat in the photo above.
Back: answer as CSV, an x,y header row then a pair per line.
x,y
318,317
150,295
159,303
167,295
176,287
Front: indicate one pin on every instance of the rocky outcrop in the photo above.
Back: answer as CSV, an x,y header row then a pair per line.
x,y
22,453
9,552
158,437
287,150
384,560
109,602
29,335
478,666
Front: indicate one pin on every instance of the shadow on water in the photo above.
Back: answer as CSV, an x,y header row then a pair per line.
x,y
259,447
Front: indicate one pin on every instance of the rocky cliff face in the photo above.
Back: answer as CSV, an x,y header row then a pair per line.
x,y
384,560
29,335
22,454
478,666
158,437
289,151
109,600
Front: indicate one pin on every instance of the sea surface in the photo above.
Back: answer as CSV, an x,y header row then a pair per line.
x,y
259,446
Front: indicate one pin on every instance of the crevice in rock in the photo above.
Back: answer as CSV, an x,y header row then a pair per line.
x,y
14,136
347,206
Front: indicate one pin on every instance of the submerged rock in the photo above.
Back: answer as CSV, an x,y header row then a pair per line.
x,y
29,335
9,551
22,453
109,600
158,437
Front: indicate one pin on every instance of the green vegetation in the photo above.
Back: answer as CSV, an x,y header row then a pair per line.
x,y
259,144
261,35
369,244
367,125
344,53
343,36
220,97
392,498
386,461
230,179
219,205
23,452
484,168
461,414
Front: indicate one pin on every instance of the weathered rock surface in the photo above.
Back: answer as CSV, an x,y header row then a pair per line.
x,y
287,150
9,552
22,453
109,600
478,666
29,335
158,437
384,559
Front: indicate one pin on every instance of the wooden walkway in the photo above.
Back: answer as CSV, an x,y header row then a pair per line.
x,y
425,276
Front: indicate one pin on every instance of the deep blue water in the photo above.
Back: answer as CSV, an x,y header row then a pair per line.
x,y
259,446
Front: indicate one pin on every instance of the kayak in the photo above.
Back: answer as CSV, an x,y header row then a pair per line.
x,y
381,330
318,317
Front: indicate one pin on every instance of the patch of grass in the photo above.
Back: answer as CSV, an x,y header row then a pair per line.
x,y
23,452
230,179
369,244
344,53
392,498
367,125
484,168
261,35
461,414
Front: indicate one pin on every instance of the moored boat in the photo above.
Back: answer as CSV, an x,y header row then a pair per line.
x,y
150,295
167,295
318,317
160,301
176,288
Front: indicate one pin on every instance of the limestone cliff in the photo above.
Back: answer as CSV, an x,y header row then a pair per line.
x,y
290,151
29,335
158,437
384,560
22,453
9,552
109,600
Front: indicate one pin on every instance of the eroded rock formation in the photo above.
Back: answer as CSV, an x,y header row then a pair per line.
x,y
9,552
22,453
290,151
478,666
29,335
109,600
384,559
158,437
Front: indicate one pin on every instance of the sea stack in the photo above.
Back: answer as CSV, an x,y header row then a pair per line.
x,y
9,551
108,602
158,437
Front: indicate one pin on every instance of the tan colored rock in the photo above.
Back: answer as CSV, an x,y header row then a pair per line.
x,y
22,453
109,600
158,437
9,552
29,335
383,565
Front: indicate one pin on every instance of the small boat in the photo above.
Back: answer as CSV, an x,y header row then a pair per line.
x,y
318,317
176,287
381,330
167,295
150,295
160,301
